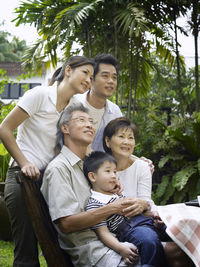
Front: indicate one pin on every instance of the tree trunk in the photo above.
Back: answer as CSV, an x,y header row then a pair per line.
x,y
135,83
88,40
195,33
116,55
121,92
131,80
178,68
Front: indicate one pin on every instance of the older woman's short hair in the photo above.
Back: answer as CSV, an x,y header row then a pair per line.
x,y
113,126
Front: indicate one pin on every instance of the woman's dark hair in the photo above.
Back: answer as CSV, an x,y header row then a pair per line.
x,y
113,126
73,62
93,162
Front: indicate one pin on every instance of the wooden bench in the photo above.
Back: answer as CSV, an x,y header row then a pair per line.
x,y
42,224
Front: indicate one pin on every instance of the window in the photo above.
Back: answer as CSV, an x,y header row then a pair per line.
x,y
15,90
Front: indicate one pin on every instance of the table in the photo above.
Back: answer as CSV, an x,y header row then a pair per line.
x,y
183,226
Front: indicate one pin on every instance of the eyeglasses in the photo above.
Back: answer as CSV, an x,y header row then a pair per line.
x,y
84,120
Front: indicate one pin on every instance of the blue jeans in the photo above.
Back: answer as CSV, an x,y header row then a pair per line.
x,y
140,231
25,251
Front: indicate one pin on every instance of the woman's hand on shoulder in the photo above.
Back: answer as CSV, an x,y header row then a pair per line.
x,y
150,163
30,170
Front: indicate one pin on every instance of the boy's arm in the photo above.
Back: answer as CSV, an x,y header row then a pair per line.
x,y
128,253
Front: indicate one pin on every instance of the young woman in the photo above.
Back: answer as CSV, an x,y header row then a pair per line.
x,y
36,116
135,176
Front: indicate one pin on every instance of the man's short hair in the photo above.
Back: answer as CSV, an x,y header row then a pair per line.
x,y
65,118
104,59
94,161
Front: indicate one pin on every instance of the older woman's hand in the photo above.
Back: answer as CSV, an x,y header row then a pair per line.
x,y
137,207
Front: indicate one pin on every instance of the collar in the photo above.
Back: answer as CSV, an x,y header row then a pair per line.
x,y
102,197
108,105
72,158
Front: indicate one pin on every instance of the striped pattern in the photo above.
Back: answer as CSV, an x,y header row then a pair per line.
x,y
112,221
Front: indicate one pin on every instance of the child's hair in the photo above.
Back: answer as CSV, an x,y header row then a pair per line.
x,y
113,126
94,161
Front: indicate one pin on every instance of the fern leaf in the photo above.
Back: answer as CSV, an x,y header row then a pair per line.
x,y
198,165
162,186
179,180
168,193
163,161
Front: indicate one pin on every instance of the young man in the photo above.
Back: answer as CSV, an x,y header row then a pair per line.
x,y
104,85
66,192
96,100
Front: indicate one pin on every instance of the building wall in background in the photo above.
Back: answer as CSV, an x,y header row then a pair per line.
x,y
16,88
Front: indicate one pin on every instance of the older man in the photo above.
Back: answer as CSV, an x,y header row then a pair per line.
x,y
66,191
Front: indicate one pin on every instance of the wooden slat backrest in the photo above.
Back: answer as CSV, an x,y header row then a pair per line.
x,y
42,224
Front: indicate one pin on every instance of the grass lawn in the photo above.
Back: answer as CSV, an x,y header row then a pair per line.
x,y
6,255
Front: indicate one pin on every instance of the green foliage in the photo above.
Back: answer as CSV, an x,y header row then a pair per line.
x,y
4,162
132,20
6,255
170,140
181,147
181,177
4,110
11,50
3,80
164,191
4,155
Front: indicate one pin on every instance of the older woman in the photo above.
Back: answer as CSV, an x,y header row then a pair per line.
x,y
135,176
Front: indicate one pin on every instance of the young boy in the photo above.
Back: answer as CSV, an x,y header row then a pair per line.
x,y
100,169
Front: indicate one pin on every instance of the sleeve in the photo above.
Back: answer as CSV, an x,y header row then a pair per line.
x,y
118,112
144,183
59,194
31,100
94,205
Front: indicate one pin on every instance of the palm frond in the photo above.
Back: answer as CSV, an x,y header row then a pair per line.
x,y
132,20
